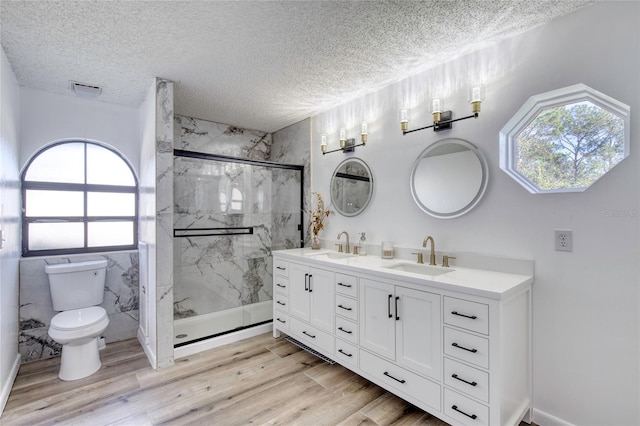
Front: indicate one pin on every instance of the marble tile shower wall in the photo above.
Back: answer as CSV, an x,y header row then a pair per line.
x,y
36,308
203,198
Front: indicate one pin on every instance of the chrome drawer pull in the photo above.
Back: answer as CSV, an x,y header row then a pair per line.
x,y
345,331
310,335
454,344
344,307
471,416
280,303
389,305
344,353
397,380
281,268
345,285
282,321
306,282
281,286
455,376
463,315
310,276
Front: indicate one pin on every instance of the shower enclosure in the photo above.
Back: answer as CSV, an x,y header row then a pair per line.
x,y
229,214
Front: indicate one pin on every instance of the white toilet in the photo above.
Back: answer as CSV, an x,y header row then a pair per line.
x,y
75,290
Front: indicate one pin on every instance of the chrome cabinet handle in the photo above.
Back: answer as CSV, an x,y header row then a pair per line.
x,y
310,335
344,353
389,305
345,331
345,285
306,282
345,308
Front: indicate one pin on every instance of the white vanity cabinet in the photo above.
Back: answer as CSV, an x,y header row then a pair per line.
x,y
457,345
402,325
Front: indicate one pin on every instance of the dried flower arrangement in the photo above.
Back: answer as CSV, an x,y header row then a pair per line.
x,y
317,214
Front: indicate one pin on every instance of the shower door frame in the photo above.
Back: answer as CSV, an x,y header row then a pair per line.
x,y
178,233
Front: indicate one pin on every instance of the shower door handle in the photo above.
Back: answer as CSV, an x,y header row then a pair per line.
x,y
310,290
306,282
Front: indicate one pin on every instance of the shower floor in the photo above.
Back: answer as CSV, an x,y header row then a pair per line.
x,y
200,327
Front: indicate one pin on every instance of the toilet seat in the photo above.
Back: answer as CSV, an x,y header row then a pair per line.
x,y
78,318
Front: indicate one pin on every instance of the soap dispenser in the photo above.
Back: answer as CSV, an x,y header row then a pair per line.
x,y
361,249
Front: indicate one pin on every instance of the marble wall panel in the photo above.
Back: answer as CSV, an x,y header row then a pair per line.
x,y
36,309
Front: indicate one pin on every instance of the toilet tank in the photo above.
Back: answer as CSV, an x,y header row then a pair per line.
x,y
76,285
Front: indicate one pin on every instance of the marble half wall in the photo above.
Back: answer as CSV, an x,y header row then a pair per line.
x,y
36,308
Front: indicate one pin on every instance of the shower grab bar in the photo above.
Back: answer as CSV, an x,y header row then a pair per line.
x,y
211,232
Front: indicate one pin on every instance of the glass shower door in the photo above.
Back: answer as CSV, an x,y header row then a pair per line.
x,y
229,215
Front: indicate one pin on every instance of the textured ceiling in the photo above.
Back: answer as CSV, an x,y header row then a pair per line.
x,y
256,64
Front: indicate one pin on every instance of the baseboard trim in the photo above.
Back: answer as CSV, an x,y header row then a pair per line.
x,y
147,350
215,342
545,419
6,387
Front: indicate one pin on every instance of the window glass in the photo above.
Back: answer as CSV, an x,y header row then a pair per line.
x,y
110,234
110,204
59,163
54,203
78,197
107,168
58,235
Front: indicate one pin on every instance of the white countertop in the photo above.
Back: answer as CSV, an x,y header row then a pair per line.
x,y
484,283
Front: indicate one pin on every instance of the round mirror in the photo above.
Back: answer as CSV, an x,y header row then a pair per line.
x,y
351,187
449,178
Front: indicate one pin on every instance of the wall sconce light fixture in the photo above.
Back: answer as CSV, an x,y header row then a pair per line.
x,y
346,145
442,119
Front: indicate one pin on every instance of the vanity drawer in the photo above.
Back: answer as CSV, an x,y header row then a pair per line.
x,y
281,302
466,379
398,378
281,268
467,347
347,284
281,320
347,307
465,410
347,330
346,353
312,336
281,285
465,314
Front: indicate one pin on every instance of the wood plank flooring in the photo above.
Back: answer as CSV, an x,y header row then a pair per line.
x,y
261,380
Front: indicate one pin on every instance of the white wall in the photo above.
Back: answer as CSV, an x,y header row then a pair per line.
x,y
47,117
587,302
10,226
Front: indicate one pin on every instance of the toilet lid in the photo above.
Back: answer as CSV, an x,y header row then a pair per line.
x,y
78,318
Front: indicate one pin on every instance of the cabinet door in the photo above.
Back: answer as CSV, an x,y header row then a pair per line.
x,y
377,323
299,291
418,334
321,291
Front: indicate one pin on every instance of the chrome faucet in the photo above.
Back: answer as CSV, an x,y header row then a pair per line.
x,y
432,255
348,250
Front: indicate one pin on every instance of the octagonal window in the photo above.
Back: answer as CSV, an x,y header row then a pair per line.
x,y
565,140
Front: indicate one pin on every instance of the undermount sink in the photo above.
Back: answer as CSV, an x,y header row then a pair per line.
x,y
329,255
416,268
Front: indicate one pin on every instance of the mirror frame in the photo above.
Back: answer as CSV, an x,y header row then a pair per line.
x,y
481,190
333,196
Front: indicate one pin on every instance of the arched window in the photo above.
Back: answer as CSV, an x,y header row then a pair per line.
x,y
78,197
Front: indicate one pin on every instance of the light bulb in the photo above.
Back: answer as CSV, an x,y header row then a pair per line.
x,y
364,131
343,138
404,120
436,109
476,96
323,144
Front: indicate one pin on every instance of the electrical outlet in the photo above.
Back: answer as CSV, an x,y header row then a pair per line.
x,y
564,240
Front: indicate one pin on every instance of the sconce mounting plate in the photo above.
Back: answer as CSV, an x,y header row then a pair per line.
x,y
349,145
444,116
